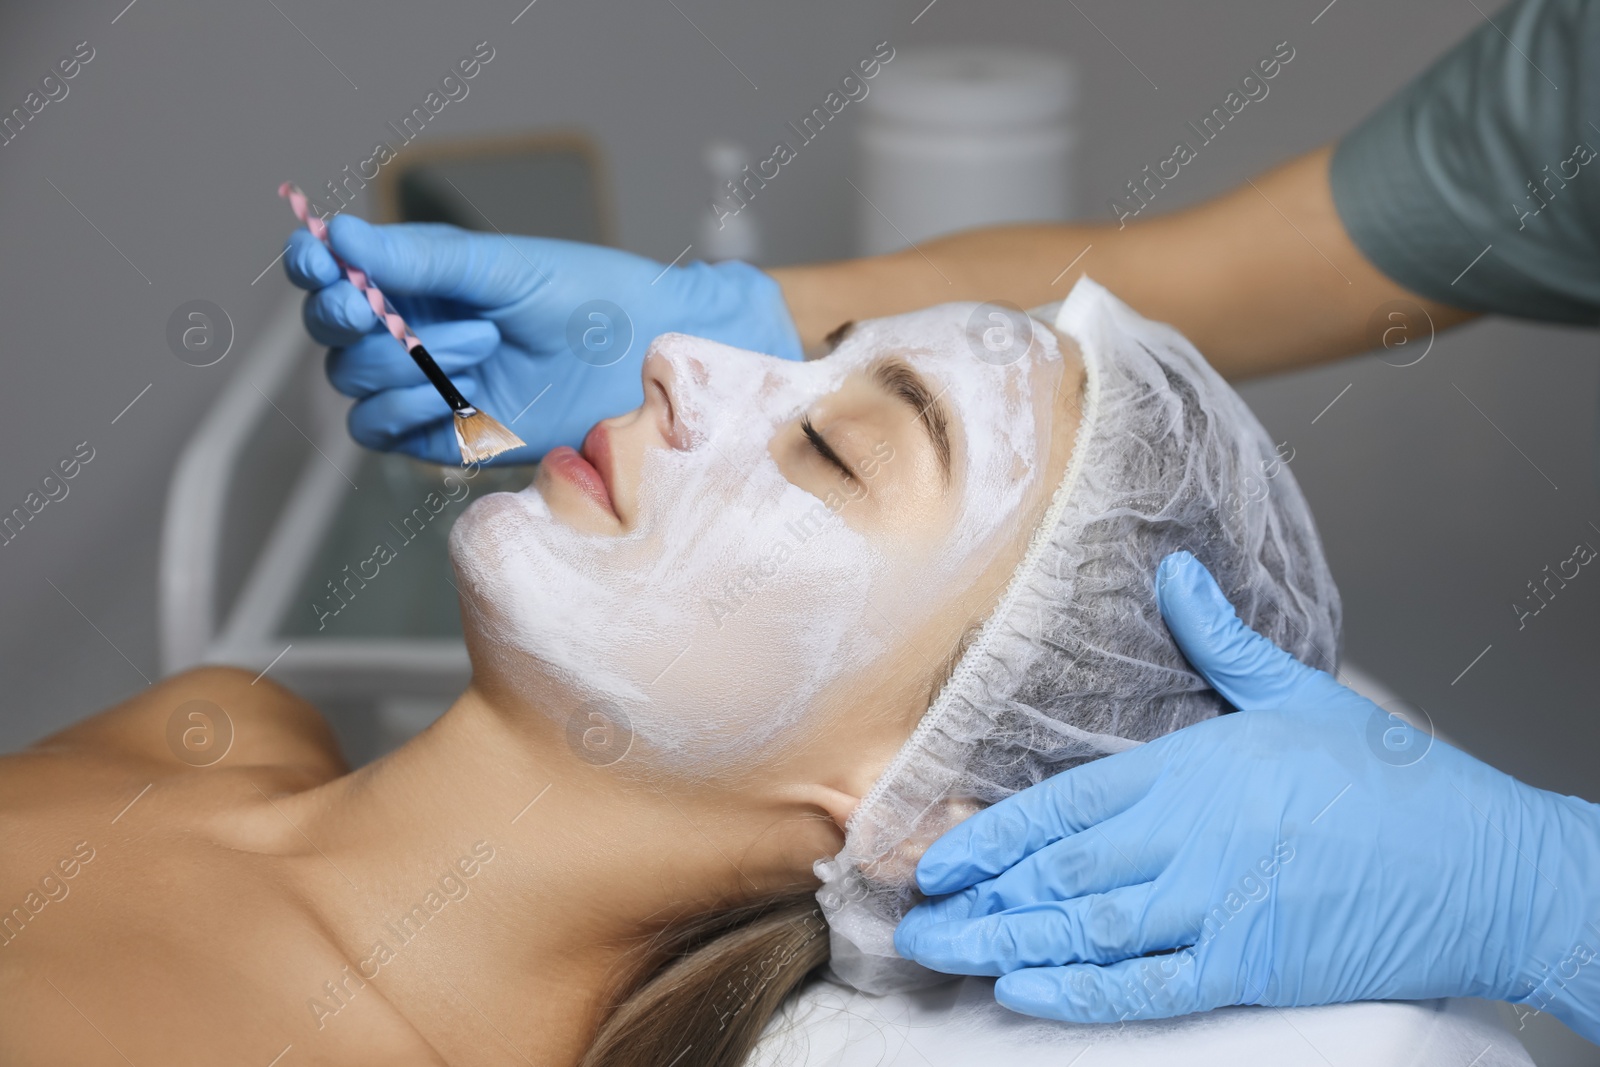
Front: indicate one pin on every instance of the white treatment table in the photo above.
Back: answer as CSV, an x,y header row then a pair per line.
x,y
960,1025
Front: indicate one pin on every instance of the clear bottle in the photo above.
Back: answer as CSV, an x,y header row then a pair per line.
x,y
729,229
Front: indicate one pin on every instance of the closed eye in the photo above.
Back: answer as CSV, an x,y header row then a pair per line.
x,y
825,450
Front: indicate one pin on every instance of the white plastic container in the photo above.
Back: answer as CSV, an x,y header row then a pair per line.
x,y
954,137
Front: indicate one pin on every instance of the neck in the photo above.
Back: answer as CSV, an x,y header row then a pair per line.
x,y
511,880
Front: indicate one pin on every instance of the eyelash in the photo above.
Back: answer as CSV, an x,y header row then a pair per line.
x,y
824,449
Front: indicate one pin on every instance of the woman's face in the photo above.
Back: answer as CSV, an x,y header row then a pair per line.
x,y
735,566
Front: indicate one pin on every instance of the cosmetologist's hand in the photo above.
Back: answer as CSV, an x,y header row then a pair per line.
x,y
1311,849
513,320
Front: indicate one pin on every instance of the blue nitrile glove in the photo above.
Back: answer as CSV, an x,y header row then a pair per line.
x,y
509,318
1312,849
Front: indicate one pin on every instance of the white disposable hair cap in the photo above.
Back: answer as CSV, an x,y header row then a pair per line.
x,y
1075,662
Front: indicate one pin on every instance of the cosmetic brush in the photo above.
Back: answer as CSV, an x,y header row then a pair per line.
x,y
479,436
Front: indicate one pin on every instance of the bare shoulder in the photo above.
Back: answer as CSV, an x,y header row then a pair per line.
x,y
195,717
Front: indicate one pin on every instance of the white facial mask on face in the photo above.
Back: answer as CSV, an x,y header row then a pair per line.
x,y
715,624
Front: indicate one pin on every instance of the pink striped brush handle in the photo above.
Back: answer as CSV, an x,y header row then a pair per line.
x,y
379,303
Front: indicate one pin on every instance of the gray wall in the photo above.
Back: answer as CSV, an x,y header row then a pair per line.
x,y
172,140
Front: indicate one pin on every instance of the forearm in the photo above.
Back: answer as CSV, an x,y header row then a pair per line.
x,y
1261,279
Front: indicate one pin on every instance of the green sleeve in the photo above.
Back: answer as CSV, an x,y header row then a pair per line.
x,y
1493,147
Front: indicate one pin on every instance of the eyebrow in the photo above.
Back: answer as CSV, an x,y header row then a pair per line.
x,y
897,378
838,334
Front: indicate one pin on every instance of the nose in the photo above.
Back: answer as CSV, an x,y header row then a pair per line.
x,y
661,404
697,387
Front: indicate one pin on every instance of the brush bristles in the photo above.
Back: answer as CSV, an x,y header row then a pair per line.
x,y
481,438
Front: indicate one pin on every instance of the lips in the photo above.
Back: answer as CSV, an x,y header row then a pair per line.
x,y
589,470
597,450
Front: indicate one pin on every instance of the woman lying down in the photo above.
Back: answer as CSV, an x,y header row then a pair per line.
x,y
782,625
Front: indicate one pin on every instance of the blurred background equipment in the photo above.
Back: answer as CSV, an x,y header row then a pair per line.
x,y
548,185
958,136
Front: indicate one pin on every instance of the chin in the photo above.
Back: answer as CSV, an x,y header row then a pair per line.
x,y
529,609
481,544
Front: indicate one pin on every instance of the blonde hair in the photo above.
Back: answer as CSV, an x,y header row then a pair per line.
x,y
724,976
